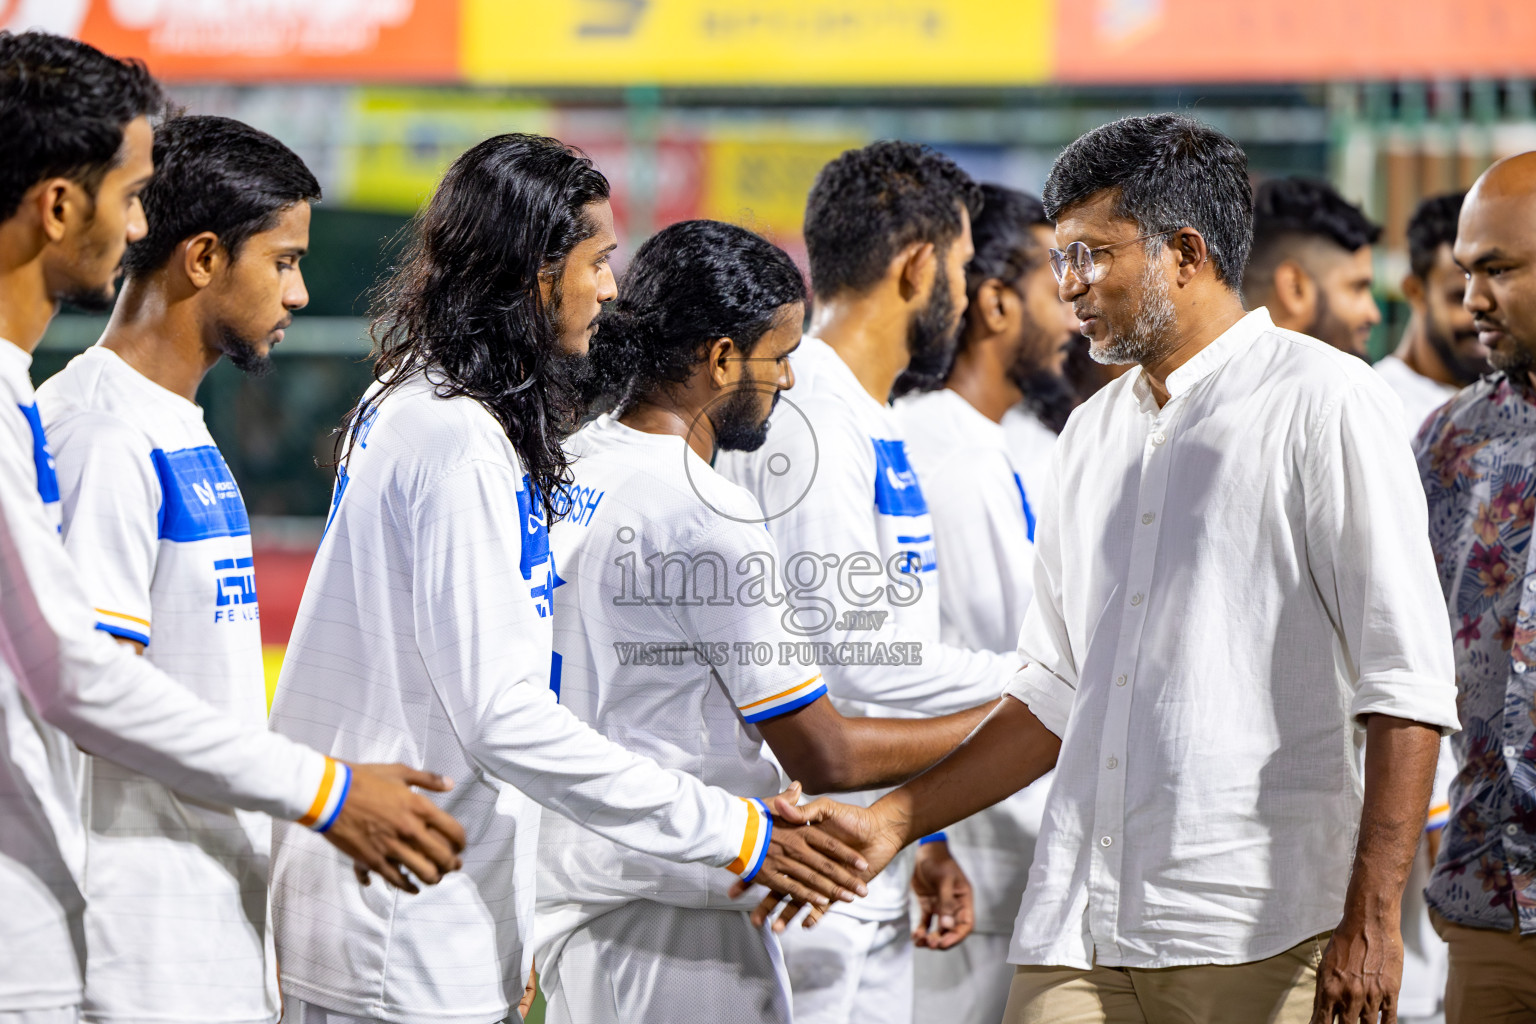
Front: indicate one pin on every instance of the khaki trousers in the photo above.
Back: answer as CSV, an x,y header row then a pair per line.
x,y
1493,974
1279,990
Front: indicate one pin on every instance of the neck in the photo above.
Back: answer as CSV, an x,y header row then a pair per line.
x,y
869,333
1421,357
161,336
980,378
26,306
656,414
1201,323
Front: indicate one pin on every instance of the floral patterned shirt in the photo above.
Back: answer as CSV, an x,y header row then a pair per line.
x,y
1477,457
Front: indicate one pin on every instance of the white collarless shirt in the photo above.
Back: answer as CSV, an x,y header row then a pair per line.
x,y
1420,395
1229,583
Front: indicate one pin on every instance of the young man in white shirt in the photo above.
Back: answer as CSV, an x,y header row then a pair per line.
x,y
80,154
985,515
426,622
669,603
887,230
1235,588
176,908
1310,263
1440,352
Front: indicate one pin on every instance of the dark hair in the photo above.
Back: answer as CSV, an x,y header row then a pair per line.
x,y
1432,225
463,305
1006,249
63,108
1168,172
220,175
688,285
1288,211
869,204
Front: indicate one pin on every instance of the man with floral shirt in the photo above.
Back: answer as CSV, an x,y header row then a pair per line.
x,y
1477,457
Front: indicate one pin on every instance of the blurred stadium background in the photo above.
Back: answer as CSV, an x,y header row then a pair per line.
x,y
727,108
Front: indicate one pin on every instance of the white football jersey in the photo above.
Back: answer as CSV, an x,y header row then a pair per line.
x,y
1030,444
424,636
665,610
176,907
860,565
984,526
63,683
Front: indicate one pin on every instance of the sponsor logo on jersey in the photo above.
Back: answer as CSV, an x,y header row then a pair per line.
x,y
897,490
199,498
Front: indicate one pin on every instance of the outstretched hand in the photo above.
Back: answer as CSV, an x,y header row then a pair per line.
x,y
386,826
805,864
944,897
869,839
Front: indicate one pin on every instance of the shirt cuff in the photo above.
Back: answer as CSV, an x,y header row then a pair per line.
x,y
937,837
335,784
1410,696
754,841
129,627
1047,695
1439,817
797,696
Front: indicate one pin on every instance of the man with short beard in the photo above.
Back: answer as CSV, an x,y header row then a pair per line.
x,y
985,515
1477,459
153,516
888,235
1310,264
660,556
1439,353
1236,579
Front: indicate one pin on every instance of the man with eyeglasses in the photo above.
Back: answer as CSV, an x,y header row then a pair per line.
x,y
1234,589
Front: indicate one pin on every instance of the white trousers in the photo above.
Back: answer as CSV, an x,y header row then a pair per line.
x,y
52,1015
964,985
297,1011
645,962
846,971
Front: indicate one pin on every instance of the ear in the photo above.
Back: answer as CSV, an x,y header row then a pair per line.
x,y
916,267
1413,290
202,257
721,373
991,303
1295,291
1192,253
59,202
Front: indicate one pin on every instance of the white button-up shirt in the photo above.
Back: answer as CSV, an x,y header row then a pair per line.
x,y
1228,584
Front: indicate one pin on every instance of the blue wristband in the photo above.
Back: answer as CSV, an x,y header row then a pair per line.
x,y
937,837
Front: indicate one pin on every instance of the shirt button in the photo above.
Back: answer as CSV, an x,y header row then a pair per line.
x,y
1519,668
1112,763
1530,584
1147,517
1106,841
1509,751
1120,681
1135,600
1159,437
1509,830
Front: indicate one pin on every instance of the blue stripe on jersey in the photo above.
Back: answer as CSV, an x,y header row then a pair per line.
x,y
534,548
897,492
556,663
126,634
47,479
200,499
810,696
1029,513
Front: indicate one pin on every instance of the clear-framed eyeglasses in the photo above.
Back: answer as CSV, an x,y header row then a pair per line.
x,y
1080,259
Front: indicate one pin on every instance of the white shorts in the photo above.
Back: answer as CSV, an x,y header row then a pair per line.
x,y
52,1015
967,984
648,961
847,971
297,1011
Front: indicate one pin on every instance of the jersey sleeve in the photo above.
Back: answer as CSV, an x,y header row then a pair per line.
x,y
762,689
111,502
117,705
481,588
834,517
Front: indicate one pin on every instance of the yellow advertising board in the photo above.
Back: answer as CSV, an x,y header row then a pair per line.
x,y
762,182
757,42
